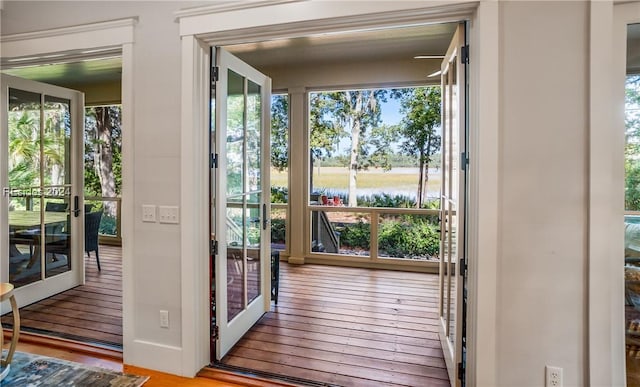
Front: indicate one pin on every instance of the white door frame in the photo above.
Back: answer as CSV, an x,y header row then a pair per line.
x,y
226,24
608,47
118,34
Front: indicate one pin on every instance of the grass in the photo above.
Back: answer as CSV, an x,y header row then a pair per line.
x,y
338,178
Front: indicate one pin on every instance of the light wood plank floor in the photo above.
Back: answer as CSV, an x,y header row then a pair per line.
x,y
350,327
88,313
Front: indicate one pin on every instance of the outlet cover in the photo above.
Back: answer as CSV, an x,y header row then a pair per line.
x,y
164,319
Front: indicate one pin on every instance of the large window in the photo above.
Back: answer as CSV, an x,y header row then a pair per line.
x,y
375,172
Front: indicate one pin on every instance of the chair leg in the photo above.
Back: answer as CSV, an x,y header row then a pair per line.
x,y
98,259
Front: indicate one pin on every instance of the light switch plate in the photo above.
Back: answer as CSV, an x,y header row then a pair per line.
x,y
148,213
169,214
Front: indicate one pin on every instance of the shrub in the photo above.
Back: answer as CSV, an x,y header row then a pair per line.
x,y
355,235
278,232
409,237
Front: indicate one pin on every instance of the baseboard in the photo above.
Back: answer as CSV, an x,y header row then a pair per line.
x,y
154,356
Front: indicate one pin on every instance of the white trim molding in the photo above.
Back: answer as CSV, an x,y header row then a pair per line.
x,y
194,202
106,34
605,353
231,6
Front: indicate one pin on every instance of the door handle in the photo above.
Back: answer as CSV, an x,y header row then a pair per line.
x,y
265,220
76,206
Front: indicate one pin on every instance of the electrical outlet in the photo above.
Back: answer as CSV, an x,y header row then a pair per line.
x,y
148,213
164,319
169,214
554,376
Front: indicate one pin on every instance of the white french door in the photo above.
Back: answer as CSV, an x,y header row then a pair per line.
x,y
452,206
240,197
41,170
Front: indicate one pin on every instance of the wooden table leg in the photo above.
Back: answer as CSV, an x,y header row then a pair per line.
x,y
7,292
15,331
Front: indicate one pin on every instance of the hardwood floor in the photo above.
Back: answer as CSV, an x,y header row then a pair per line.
x,y
89,313
350,327
335,325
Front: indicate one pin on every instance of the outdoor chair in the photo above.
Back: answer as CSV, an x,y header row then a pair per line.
x,y
91,228
56,207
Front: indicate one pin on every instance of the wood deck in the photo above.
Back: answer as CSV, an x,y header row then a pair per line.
x,y
88,313
350,327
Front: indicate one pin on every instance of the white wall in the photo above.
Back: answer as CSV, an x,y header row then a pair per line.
x,y
156,77
542,305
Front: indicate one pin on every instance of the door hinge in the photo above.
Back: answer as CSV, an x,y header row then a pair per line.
x,y
216,332
215,73
464,54
213,160
460,371
464,161
214,247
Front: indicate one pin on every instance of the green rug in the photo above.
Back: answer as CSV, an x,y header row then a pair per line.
x,y
29,370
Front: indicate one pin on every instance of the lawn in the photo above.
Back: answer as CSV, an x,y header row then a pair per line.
x,y
397,180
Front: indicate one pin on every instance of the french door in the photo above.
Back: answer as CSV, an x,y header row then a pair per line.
x,y
240,197
41,171
452,206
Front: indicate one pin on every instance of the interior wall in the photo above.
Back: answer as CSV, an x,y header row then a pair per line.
x,y
156,93
542,264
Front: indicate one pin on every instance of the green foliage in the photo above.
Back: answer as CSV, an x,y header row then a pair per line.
x,y
355,235
632,145
32,149
280,131
325,129
386,200
279,194
278,230
409,236
403,236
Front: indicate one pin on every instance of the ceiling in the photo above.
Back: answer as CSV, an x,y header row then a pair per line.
x,y
68,68
355,46
380,44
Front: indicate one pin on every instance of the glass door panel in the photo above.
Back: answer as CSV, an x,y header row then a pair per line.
x,y
241,185
43,129
452,206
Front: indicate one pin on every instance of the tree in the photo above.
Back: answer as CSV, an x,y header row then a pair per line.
x,y
421,107
337,114
103,134
280,131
